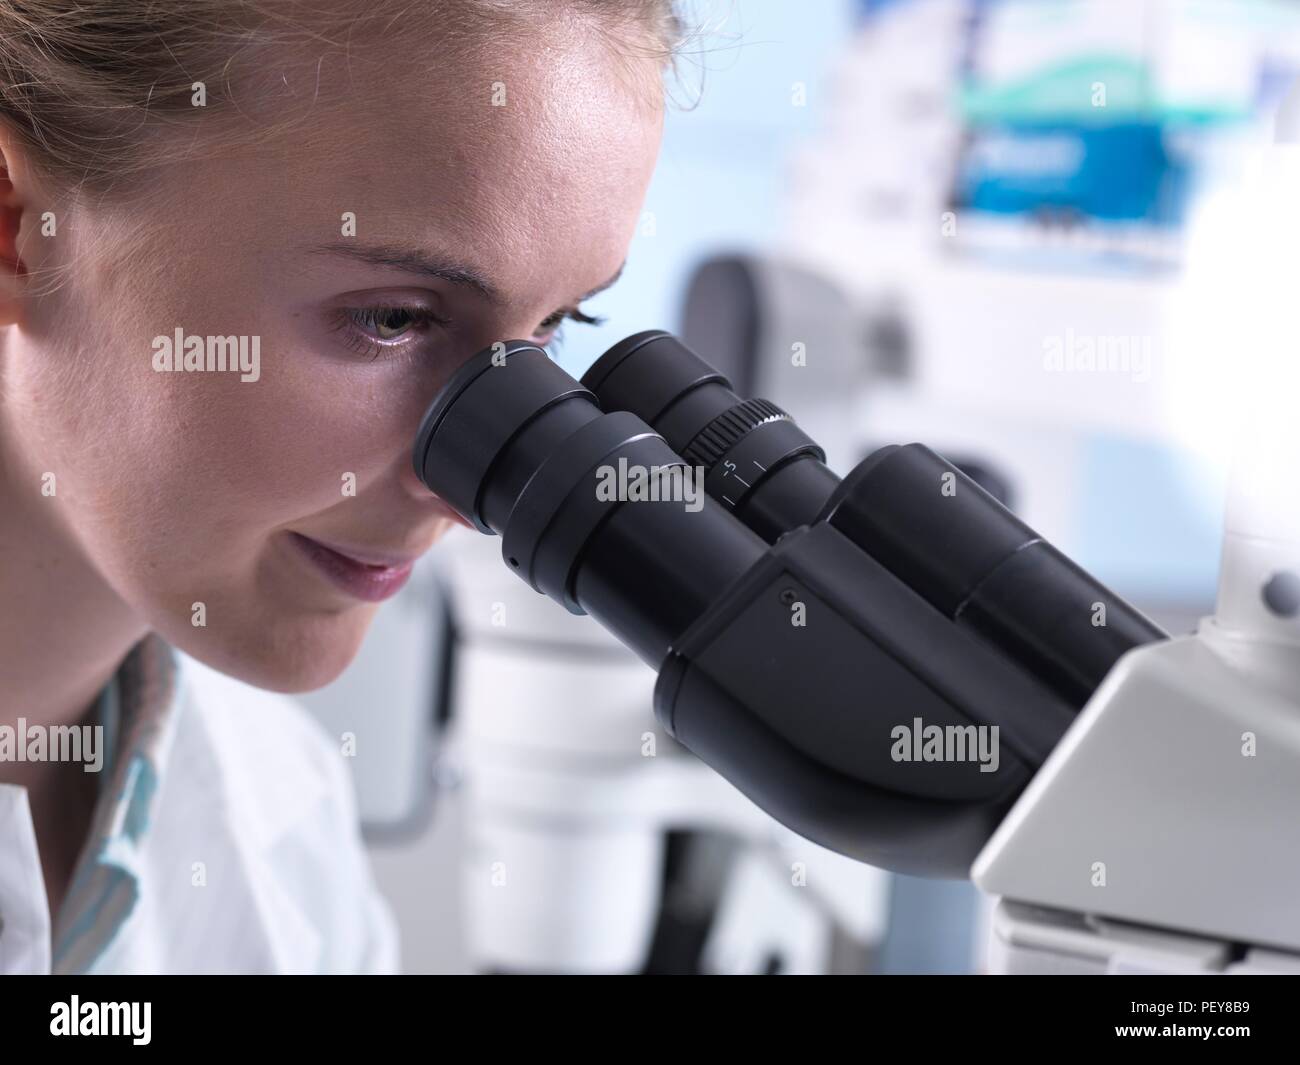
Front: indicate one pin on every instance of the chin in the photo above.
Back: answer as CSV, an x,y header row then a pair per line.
x,y
292,656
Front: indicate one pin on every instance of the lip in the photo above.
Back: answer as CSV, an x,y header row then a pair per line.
x,y
364,574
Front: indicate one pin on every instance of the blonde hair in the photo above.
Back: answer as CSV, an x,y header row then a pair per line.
x,y
94,87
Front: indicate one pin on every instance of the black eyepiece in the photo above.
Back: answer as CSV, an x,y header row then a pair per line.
x,y
519,448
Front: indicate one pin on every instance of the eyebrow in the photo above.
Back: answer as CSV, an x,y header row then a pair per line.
x,y
415,261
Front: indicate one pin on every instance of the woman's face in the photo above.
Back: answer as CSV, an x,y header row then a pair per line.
x,y
185,488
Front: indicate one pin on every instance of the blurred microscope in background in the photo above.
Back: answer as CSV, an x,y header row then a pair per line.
x,y
986,250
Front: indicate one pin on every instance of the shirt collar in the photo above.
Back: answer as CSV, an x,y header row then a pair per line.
x,y
138,709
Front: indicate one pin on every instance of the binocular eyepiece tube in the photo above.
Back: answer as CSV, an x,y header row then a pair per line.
x,y
695,525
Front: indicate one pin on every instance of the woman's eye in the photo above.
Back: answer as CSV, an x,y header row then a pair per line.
x,y
374,331
389,323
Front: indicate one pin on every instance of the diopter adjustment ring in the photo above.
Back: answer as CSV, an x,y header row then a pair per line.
x,y
728,428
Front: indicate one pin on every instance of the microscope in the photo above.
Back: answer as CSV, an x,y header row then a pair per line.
x,y
895,667
849,653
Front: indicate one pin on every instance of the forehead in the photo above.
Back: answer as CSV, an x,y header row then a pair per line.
x,y
533,163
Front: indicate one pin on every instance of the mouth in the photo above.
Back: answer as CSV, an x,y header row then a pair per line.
x,y
364,574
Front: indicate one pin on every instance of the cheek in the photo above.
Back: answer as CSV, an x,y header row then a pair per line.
x,y
193,469
281,447
182,474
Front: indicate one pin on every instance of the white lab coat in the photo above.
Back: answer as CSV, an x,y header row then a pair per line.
x,y
251,861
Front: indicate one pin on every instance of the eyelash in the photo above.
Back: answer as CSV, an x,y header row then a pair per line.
x,y
575,314
350,321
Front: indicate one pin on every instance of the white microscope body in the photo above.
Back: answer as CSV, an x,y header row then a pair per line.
x,y
1162,833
